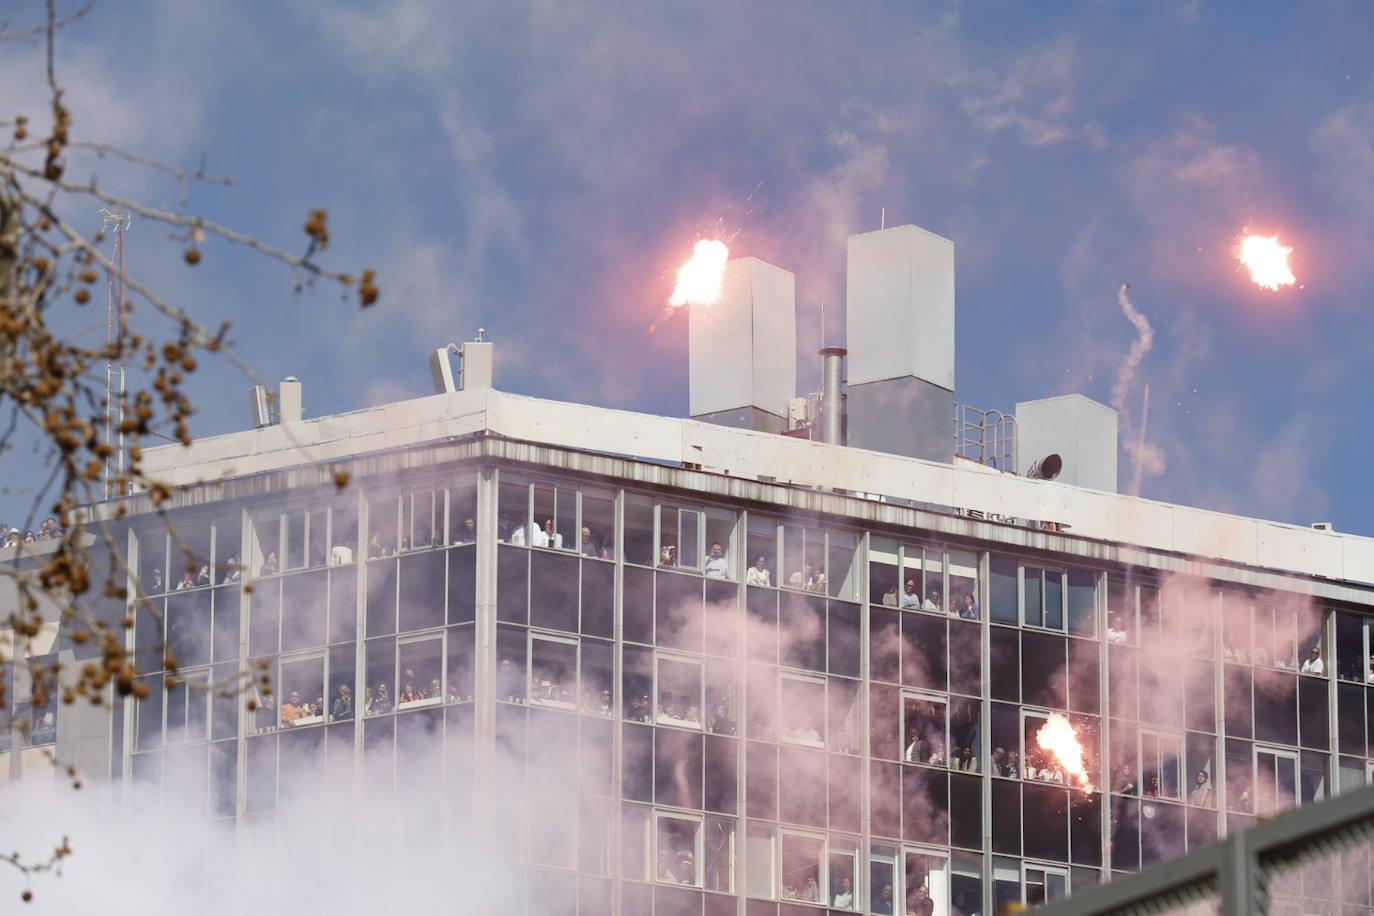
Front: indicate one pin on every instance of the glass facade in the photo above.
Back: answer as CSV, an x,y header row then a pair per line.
x,y
655,704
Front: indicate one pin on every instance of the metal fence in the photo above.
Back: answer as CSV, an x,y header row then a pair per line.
x,y
1310,860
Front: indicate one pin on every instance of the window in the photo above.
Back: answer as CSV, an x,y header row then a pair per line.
x,y
1044,883
924,729
677,848
640,543
926,878
555,517
803,710
512,510
1276,780
553,671
1042,597
462,513
597,535
1161,759
421,666
552,832
422,518
882,879
718,855
678,688
302,690
758,861
801,867
343,535
762,553
842,875
963,584
884,577
382,526
681,536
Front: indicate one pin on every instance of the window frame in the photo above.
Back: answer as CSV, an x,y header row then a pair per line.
x,y
661,814
658,717
533,636
786,676
1045,869
822,863
1278,753
1045,572
924,696
1159,736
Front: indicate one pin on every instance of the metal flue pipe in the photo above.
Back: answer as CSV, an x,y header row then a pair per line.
x,y
832,398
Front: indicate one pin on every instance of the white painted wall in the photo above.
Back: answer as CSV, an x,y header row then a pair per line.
x,y
1078,429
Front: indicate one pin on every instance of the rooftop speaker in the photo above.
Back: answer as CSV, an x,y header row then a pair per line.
x,y
1046,468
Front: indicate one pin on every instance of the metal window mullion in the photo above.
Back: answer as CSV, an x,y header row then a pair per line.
x,y
613,865
984,586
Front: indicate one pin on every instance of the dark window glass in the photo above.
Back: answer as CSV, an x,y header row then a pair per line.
x,y
264,620
188,627
1161,831
1315,730
1033,599
924,650
1085,828
343,604
304,618
678,611
262,773
1047,813
462,585
1002,589
1006,817
1082,602
512,680
845,802
637,673
1054,599
226,638
1125,832
1161,689
1201,698
885,738
1084,679
1004,665
381,597
223,778
843,649
1121,683
885,641
1042,670
761,630
1350,723
1202,827
637,764
722,618
925,805
1237,696
885,805
801,624
379,755
677,767
512,584
553,591
639,605
598,599
965,658
802,795
1276,694
761,779
965,811
422,591
553,750
722,784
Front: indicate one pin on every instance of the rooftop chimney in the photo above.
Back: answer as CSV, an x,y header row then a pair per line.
x,y
289,400
1077,431
899,319
742,350
832,395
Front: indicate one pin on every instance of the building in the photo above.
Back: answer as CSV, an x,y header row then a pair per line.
x,y
670,666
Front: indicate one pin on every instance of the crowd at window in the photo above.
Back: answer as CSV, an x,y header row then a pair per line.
x,y
47,531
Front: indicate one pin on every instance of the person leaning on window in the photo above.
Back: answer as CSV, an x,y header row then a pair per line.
x,y
911,597
343,703
758,573
1313,663
717,567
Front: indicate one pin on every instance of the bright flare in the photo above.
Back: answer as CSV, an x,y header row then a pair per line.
x,y
1267,261
1059,738
699,280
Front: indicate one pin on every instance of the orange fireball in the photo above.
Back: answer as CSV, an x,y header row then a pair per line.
x,y
1267,261
699,281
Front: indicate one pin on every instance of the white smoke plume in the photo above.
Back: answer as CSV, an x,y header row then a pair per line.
x,y
1146,459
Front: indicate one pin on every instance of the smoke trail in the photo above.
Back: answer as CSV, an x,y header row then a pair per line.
x,y
1145,458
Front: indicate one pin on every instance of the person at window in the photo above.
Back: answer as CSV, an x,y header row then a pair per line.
x,y
436,689
882,902
664,871
937,755
920,903
504,533
667,555
968,609
806,730
802,577
639,709
232,572
186,582
667,707
604,708
717,567
811,892
817,583
1125,781
999,762
934,601
293,709
1243,803
844,895
1014,765
375,548
343,703
508,681
381,699
916,750
1152,789
1116,631
758,573
545,536
911,596
966,762
1313,663
317,707
203,577
1202,790
844,743
890,597
408,694
589,548
693,715
155,583
269,565
267,712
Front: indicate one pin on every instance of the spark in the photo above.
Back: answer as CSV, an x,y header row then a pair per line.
x,y
699,281
1060,738
1267,261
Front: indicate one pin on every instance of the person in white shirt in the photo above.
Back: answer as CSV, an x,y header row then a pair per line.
x,y
1313,663
758,573
933,601
844,897
807,731
717,567
911,598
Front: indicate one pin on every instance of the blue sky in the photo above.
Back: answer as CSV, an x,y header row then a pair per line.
x,y
539,169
